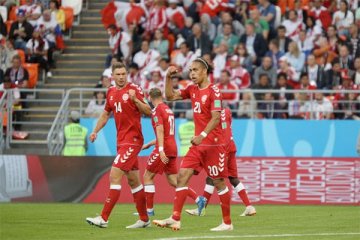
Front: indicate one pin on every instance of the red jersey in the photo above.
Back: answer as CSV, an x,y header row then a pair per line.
x,y
203,102
127,115
162,115
213,7
226,121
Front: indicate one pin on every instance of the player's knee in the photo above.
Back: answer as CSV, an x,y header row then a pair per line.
x,y
209,181
183,177
115,178
219,183
234,181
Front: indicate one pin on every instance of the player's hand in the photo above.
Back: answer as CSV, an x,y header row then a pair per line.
x,y
172,70
92,137
164,158
196,140
132,94
145,146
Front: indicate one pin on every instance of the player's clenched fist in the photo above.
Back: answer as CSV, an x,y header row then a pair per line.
x,y
132,94
92,137
171,71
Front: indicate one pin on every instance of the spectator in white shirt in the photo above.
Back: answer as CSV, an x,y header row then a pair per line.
x,y
184,58
220,60
343,18
32,11
320,108
147,59
96,105
120,44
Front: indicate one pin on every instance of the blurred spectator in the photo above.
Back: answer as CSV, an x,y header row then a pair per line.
x,y
293,25
226,18
354,41
244,58
48,26
343,18
7,53
135,76
269,108
265,68
176,16
333,75
184,58
356,72
18,75
58,14
315,72
227,37
346,61
295,57
261,25
163,66
75,136
268,12
32,11
156,19
20,31
120,44
36,49
350,106
255,43
301,7
320,108
320,13
282,85
247,105
241,11
305,44
274,53
96,105
283,40
305,82
108,71
147,59
198,41
160,44
238,75
297,106
3,30
332,37
105,82
208,27
156,80
264,84
220,60
313,30
285,67
231,98
8,3
186,32
324,53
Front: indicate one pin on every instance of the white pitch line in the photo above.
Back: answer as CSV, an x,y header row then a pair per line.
x,y
260,236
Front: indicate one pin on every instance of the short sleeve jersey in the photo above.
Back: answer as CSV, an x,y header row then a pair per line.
x,y
203,102
226,121
127,116
162,115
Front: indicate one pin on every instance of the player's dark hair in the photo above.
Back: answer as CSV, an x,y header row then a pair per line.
x,y
118,65
205,64
155,93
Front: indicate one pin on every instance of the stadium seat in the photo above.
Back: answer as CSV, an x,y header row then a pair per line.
x,y
278,16
3,13
173,54
33,69
76,5
8,25
69,17
21,53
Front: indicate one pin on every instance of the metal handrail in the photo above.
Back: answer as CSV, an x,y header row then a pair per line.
x,y
2,113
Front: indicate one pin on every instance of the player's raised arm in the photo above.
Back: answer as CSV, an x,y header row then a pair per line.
x,y
143,107
170,93
104,117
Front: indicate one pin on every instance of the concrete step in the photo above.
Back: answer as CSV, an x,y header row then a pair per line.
x,y
87,42
73,77
97,5
81,64
90,27
82,56
90,34
71,85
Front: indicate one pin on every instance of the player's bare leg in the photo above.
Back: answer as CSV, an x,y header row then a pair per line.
x,y
173,222
115,187
137,190
240,189
224,195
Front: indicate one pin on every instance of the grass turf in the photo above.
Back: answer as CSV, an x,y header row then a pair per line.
x,y
67,221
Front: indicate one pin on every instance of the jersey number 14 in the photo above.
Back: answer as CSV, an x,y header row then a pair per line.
x,y
118,107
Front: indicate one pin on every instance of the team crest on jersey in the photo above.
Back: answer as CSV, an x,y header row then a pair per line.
x,y
125,97
111,98
203,99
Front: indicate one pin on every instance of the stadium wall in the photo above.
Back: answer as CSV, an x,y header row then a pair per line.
x,y
269,180
259,138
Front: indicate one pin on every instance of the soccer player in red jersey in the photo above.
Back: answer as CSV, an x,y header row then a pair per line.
x,y
208,145
226,121
163,157
126,102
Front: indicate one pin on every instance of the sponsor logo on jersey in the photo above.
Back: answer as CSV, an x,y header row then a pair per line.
x,y
111,98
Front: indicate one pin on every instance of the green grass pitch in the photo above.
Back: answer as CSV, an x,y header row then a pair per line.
x,y
67,221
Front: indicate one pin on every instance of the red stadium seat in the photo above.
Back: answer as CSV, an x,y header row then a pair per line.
x,y
69,17
12,14
21,53
8,25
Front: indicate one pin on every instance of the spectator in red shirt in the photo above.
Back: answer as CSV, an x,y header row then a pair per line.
x,y
319,12
305,82
225,84
238,74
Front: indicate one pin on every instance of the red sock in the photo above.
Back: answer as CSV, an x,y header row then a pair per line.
x,y
240,189
208,191
192,194
110,201
149,193
140,202
225,198
180,197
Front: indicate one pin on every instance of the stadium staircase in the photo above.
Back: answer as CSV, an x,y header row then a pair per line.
x,y
81,65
